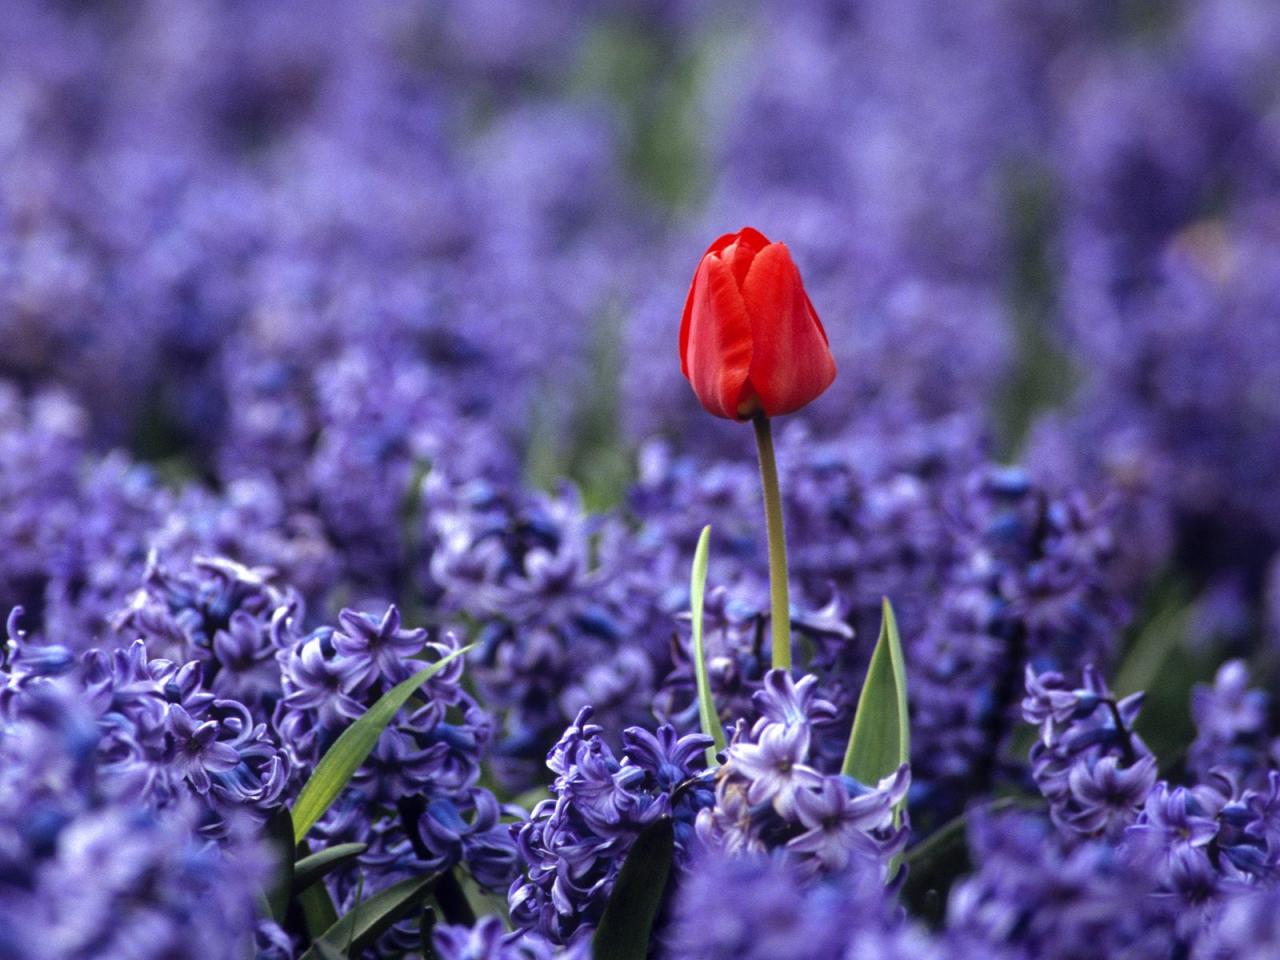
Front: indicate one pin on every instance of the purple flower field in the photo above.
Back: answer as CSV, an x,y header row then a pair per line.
x,y
356,460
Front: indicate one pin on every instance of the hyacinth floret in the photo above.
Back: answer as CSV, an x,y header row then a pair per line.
x,y
164,737
1232,727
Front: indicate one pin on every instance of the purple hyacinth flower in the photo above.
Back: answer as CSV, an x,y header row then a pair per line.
x,y
667,756
1108,795
776,766
196,750
837,824
790,702
489,940
1172,817
1264,811
378,647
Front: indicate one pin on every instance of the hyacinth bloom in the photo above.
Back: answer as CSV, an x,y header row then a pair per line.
x,y
750,341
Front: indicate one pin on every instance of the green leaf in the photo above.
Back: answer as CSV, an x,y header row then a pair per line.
x,y
371,918
707,714
1161,661
952,834
351,749
326,952
1153,649
278,833
318,911
881,740
940,859
320,864
627,923
355,914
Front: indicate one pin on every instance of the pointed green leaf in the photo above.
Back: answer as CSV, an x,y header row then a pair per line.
x,y
320,864
325,952
371,918
880,741
627,923
355,915
707,714
318,911
351,749
278,833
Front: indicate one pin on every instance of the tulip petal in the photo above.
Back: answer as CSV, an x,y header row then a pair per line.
x,y
715,338
740,252
791,363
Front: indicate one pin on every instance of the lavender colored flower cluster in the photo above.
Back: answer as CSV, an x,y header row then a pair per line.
x,y
166,738
489,940
575,841
85,872
783,914
564,615
218,727
1089,763
414,801
335,339
770,796
1188,852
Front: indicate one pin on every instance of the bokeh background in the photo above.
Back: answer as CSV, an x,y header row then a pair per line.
x,y
277,280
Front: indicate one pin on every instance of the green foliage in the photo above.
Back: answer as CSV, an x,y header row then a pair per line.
x,y
371,918
881,739
627,923
707,715
318,911
589,448
654,84
319,865
278,833
352,748
1161,662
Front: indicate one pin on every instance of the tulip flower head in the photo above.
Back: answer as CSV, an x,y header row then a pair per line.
x,y
750,342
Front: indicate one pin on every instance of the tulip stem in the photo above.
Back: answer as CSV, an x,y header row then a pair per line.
x,y
779,601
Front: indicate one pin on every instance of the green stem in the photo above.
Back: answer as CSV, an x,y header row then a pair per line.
x,y
780,603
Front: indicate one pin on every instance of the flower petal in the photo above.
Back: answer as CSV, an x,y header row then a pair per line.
x,y
716,338
791,363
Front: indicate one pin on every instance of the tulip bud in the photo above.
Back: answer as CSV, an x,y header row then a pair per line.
x,y
750,341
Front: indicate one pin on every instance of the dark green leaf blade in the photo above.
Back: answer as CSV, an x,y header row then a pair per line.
x,y
371,918
707,714
352,748
278,832
627,923
880,741
318,911
320,864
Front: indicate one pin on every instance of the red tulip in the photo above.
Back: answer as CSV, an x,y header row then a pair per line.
x,y
750,341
